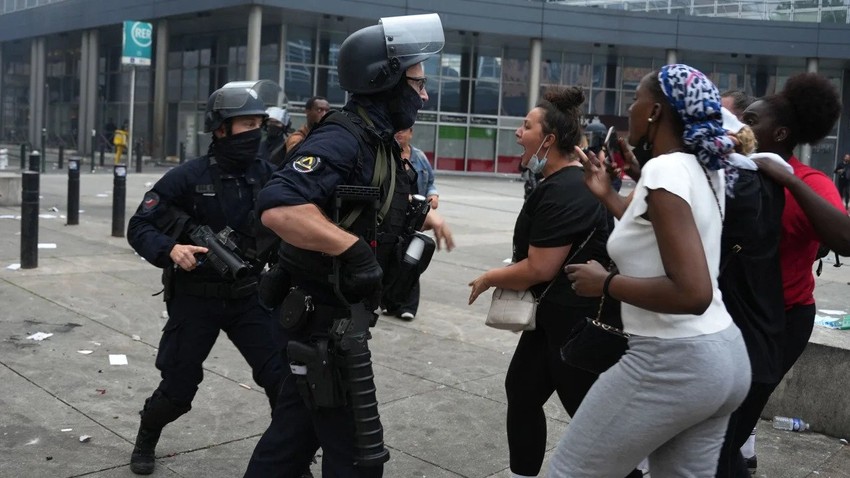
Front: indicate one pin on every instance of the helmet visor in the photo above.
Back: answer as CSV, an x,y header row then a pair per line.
x,y
412,35
234,95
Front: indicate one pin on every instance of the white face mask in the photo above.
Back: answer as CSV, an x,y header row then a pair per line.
x,y
535,164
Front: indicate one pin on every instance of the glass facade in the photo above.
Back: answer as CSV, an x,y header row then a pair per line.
x,y
827,11
479,90
9,6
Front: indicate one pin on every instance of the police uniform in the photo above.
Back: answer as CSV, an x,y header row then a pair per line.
x,y
201,302
215,191
329,157
353,147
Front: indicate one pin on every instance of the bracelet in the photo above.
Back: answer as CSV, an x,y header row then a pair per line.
x,y
608,283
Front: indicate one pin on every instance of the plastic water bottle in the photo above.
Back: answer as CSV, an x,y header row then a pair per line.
x,y
790,424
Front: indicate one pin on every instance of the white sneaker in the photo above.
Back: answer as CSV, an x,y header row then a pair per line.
x,y
407,316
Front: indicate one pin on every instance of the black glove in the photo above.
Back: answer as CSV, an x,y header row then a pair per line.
x,y
360,272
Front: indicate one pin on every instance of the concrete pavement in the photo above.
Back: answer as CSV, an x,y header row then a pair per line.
x,y
440,378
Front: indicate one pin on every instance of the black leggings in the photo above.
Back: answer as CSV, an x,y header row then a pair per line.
x,y
536,370
799,322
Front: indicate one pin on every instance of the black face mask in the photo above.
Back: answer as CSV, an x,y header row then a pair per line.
x,y
404,103
236,152
274,131
643,150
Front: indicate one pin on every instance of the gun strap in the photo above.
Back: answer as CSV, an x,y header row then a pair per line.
x,y
253,222
383,166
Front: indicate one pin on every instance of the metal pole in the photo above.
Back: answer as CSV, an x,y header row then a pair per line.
x,y
139,157
43,147
60,161
132,108
23,156
73,192
93,142
35,161
119,199
29,219
102,153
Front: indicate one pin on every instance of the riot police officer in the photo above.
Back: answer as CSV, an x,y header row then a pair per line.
x,y
381,66
198,223
278,127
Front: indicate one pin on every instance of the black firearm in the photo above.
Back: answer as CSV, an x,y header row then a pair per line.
x,y
222,252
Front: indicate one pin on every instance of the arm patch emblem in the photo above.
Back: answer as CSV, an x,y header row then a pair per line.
x,y
306,164
150,201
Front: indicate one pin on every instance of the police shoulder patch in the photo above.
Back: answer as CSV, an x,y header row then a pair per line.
x,y
306,164
150,201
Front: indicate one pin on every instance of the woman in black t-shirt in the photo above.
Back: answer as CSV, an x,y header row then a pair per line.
x,y
558,216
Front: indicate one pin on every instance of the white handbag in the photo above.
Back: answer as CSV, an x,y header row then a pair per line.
x,y
512,310
515,310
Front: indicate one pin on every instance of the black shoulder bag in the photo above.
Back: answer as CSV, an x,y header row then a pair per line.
x,y
593,345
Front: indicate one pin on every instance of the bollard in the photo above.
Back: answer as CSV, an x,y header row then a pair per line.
x,y
23,156
35,161
119,199
182,152
60,161
138,151
73,192
93,142
29,219
102,153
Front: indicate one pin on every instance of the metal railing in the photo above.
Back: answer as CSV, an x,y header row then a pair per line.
x,y
827,11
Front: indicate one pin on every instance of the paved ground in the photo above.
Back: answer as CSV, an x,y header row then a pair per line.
x,y
440,377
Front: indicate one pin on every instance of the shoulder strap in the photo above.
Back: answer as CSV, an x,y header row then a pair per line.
x,y
570,258
383,166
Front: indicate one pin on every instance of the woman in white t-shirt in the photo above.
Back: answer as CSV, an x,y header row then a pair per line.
x,y
687,367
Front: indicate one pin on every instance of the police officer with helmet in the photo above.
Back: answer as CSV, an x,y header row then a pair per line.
x,y
198,223
340,252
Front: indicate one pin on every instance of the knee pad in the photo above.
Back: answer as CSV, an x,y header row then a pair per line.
x,y
159,411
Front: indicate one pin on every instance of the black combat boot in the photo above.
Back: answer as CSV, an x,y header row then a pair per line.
x,y
143,459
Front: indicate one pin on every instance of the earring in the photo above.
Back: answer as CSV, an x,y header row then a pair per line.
x,y
650,120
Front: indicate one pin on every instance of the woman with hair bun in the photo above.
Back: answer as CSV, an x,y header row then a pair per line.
x,y
558,216
670,396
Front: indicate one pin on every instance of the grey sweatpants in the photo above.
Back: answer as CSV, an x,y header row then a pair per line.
x,y
669,399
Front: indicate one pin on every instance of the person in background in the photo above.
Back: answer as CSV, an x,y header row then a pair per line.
x,y
315,108
277,127
670,396
119,139
735,101
425,187
842,173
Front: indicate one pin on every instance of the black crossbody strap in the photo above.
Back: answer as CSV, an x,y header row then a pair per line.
x,y
570,258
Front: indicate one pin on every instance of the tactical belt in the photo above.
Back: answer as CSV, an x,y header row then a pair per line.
x,y
220,290
330,312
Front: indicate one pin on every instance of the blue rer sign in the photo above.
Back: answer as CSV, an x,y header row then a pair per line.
x,y
137,42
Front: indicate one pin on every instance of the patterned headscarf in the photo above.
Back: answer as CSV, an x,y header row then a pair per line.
x,y
697,101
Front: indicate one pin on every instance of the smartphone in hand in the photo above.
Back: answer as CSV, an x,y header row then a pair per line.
x,y
611,143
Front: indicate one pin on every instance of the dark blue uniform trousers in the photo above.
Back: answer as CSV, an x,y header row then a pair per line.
x,y
191,331
288,445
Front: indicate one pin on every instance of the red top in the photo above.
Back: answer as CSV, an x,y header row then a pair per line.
x,y
799,244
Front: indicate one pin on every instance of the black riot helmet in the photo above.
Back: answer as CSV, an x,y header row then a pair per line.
x,y
375,58
239,98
